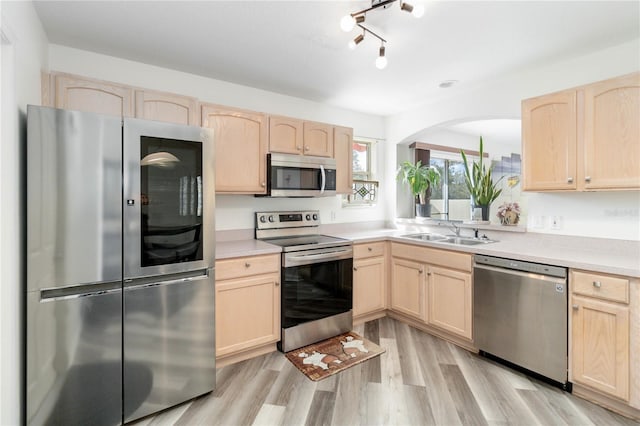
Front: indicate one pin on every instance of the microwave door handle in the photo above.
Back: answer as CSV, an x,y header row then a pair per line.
x,y
324,179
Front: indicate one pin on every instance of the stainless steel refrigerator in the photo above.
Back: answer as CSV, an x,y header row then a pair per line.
x,y
120,267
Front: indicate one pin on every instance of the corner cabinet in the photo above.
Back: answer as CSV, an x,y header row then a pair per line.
x,y
585,139
247,307
369,281
343,153
241,139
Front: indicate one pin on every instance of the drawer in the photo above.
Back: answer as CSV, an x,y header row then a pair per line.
x,y
361,251
600,286
443,258
247,266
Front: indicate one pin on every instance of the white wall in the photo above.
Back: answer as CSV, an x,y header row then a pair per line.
x,y
583,214
24,54
233,211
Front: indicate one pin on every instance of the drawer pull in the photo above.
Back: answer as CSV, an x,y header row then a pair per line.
x,y
569,180
247,264
575,307
597,284
369,248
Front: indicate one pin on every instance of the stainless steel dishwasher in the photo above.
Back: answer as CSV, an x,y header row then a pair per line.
x,y
520,315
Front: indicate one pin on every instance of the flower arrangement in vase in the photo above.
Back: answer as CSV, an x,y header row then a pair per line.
x,y
509,213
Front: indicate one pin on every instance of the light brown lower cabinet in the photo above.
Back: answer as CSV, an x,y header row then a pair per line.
x,y
600,333
247,304
450,300
369,279
409,288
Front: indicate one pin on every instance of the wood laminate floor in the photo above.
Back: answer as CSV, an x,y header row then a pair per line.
x,y
420,380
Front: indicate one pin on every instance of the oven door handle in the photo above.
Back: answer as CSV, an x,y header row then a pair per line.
x,y
308,259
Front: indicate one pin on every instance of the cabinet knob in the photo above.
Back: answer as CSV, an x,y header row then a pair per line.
x,y
306,148
428,274
597,284
298,147
369,248
355,269
575,307
247,264
569,180
277,283
263,184
587,178
420,271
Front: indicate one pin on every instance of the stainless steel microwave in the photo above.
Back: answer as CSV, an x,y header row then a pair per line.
x,y
290,175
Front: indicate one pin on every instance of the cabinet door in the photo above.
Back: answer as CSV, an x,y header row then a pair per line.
x,y
612,133
167,107
241,149
549,142
600,345
450,295
285,135
82,94
343,153
247,313
318,139
368,285
408,288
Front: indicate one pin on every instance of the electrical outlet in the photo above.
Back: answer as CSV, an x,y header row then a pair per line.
x,y
555,222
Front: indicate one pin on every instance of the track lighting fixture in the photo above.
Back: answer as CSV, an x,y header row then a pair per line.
x,y
350,21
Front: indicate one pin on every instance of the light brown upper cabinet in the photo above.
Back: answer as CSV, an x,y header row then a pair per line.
x,y
549,142
168,107
84,94
318,139
241,139
612,134
343,153
285,135
587,138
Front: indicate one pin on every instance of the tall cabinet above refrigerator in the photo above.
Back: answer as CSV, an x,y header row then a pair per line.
x,y
120,257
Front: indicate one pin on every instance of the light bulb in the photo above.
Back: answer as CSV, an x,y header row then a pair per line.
x,y
347,23
418,10
381,62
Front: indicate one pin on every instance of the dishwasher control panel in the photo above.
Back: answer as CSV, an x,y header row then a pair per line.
x,y
521,265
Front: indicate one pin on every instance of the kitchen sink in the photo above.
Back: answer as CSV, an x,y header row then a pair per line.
x,y
426,237
448,239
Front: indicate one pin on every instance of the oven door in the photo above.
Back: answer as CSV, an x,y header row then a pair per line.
x,y
316,284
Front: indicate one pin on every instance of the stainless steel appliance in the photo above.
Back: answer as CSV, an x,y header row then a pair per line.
x,y
290,175
317,277
520,314
120,257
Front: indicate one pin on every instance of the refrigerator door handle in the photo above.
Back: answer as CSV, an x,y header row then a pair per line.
x,y
134,284
85,290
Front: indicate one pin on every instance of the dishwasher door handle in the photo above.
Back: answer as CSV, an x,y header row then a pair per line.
x,y
541,277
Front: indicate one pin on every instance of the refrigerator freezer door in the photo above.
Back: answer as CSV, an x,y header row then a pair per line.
x,y
169,333
74,364
74,193
168,199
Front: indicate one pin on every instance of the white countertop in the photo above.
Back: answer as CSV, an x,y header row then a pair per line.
x,y
618,257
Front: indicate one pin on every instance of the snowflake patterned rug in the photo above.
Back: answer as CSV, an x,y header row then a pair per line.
x,y
328,357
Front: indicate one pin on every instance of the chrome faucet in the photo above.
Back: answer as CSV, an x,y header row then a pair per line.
x,y
455,228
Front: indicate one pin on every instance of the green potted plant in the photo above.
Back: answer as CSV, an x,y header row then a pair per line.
x,y
480,184
420,178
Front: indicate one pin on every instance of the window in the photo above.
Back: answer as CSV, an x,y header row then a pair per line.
x,y
451,199
364,187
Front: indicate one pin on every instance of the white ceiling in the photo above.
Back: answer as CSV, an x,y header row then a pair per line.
x,y
297,47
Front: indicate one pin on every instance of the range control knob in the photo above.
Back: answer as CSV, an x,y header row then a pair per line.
x,y
315,216
308,217
263,219
271,218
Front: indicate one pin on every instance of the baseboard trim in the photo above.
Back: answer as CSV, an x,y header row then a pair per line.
x,y
225,360
607,402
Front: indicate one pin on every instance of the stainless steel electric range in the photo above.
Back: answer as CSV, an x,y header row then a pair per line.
x,y
316,276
